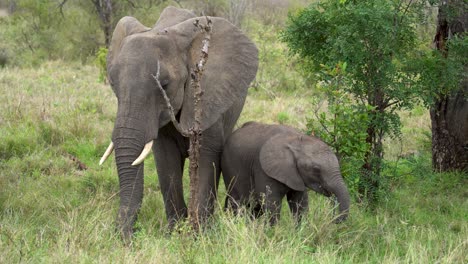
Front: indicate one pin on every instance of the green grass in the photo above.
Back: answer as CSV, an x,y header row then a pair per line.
x,y
52,212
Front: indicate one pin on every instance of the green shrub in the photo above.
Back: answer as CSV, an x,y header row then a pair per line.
x,y
362,49
343,127
3,58
101,62
17,142
283,117
51,134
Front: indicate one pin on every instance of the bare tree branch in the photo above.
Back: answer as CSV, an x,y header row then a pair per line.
x,y
132,3
169,106
236,11
60,6
405,11
105,12
196,132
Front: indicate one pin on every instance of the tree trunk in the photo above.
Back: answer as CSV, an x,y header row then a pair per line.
x,y
371,182
449,114
104,10
373,160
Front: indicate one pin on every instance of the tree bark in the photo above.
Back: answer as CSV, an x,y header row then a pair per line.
x,y
449,114
104,10
373,160
196,131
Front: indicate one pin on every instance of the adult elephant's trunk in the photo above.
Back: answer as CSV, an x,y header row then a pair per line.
x,y
129,144
338,188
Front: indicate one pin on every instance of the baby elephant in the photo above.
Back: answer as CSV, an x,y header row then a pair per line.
x,y
263,163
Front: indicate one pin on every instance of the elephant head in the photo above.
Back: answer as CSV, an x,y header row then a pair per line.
x,y
174,43
301,161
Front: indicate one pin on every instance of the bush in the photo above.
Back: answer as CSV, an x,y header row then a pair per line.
x,y
343,127
101,62
3,58
362,48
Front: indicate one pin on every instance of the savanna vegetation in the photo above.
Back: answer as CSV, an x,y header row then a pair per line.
x,y
56,115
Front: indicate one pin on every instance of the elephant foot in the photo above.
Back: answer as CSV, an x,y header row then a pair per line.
x,y
176,217
126,235
340,219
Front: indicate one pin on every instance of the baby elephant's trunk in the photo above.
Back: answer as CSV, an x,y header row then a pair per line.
x,y
338,188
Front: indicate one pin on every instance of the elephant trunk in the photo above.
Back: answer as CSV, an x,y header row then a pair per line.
x,y
339,189
128,146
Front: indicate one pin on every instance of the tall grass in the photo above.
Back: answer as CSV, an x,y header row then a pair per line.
x,y
54,212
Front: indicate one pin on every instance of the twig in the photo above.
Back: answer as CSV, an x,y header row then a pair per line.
x,y
168,105
132,3
18,107
60,7
315,112
14,244
79,165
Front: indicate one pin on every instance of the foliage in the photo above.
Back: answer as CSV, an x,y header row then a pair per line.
x,y
31,31
440,74
39,30
101,62
368,42
47,30
72,30
283,117
342,124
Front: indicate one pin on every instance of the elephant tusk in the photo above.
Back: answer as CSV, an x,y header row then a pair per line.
x,y
144,153
107,153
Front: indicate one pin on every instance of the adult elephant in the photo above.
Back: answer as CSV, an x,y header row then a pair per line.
x,y
142,116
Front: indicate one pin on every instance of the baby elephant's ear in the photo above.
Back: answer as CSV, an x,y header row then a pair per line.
x,y
278,162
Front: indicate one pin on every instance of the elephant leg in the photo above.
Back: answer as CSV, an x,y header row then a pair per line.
x,y
270,201
170,165
212,142
298,204
272,208
209,174
238,189
232,202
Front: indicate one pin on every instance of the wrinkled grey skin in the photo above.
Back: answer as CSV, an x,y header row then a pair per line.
x,y
142,115
263,163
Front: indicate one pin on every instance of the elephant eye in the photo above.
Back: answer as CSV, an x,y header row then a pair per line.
x,y
164,83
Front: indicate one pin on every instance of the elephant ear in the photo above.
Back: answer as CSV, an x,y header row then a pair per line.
x,y
278,162
125,27
171,16
231,66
